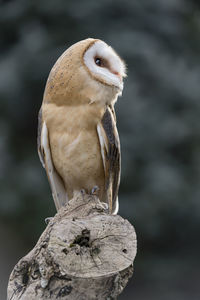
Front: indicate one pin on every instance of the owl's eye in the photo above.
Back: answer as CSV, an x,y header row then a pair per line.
x,y
98,61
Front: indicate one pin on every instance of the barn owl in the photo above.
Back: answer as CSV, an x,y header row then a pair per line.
x,y
78,142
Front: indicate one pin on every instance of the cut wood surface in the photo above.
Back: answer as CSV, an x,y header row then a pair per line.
x,y
84,253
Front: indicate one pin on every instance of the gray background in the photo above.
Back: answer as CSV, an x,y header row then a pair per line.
x,y
158,121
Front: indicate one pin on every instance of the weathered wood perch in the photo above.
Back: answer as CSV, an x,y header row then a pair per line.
x,y
84,253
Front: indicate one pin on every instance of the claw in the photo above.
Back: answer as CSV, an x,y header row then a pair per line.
x,y
83,192
47,220
95,190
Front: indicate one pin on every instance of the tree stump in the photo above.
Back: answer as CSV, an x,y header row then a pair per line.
x,y
84,253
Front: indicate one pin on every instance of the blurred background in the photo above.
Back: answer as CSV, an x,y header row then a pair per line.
x,y
158,121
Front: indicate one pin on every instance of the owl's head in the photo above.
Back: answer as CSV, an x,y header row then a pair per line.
x,y
88,71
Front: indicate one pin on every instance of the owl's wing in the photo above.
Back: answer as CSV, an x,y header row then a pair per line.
x,y
110,151
40,153
57,187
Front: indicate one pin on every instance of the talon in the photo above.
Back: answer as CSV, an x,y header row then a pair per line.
x,y
105,205
83,192
47,220
95,190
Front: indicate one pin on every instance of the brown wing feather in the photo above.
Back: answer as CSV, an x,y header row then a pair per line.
x,y
112,159
40,152
57,187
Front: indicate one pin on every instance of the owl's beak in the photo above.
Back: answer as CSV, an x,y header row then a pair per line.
x,y
120,78
118,75
120,84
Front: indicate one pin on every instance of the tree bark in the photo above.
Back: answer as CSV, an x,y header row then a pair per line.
x,y
84,253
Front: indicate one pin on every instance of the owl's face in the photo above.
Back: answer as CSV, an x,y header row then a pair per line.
x,y
105,65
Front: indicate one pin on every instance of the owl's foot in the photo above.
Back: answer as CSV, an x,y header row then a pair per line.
x,y
95,190
47,220
83,192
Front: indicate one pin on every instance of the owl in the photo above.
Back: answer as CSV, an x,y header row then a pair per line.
x,y
78,142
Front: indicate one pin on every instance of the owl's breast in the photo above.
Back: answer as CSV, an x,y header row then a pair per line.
x,y
75,150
